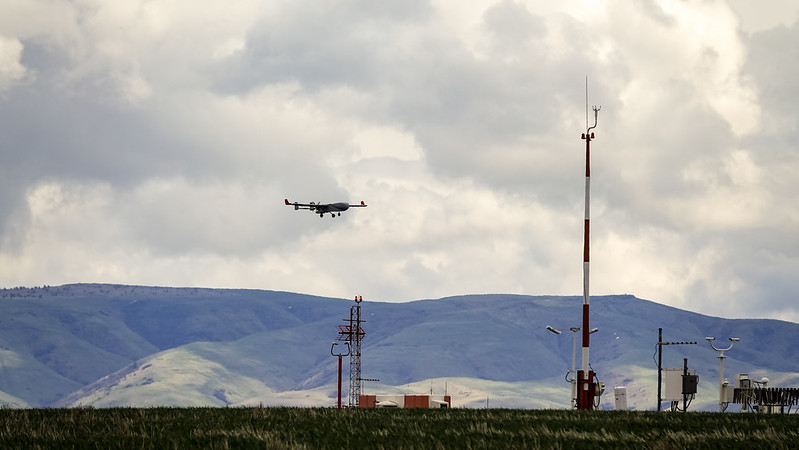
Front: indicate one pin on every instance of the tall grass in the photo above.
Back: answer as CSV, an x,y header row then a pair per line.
x,y
284,428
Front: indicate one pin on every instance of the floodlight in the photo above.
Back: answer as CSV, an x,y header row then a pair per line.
x,y
710,338
735,339
554,330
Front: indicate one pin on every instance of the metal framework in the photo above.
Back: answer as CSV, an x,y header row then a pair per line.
x,y
660,345
353,334
570,375
721,351
770,400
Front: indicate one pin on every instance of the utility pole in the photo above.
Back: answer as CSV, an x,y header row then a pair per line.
x,y
338,404
660,361
684,377
660,365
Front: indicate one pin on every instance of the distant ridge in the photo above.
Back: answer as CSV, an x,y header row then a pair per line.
x,y
119,345
108,290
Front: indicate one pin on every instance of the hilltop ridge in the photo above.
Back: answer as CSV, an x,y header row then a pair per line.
x,y
117,345
109,290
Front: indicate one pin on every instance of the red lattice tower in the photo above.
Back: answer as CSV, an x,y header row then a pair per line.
x,y
352,333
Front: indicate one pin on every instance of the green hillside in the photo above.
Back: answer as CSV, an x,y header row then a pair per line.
x,y
55,341
288,428
112,345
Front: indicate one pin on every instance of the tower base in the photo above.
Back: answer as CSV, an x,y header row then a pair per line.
x,y
586,390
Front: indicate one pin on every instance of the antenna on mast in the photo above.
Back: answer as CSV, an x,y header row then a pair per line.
x,y
586,102
596,119
595,108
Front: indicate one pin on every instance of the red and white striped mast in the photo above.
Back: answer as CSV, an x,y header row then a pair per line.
x,y
586,389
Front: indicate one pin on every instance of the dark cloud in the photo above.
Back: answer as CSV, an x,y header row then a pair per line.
x,y
324,45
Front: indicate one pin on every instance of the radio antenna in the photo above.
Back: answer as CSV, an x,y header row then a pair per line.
x,y
586,102
595,108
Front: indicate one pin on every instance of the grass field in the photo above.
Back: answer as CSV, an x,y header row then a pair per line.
x,y
278,428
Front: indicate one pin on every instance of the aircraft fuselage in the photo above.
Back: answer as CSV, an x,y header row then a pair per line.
x,y
333,207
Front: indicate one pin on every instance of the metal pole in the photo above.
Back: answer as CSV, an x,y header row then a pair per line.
x,y
721,351
585,387
574,361
351,392
660,365
339,355
721,382
684,376
583,402
339,382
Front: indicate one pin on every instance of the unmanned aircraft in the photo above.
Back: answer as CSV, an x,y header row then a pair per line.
x,y
335,209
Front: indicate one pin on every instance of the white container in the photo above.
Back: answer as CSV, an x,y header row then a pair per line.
x,y
620,392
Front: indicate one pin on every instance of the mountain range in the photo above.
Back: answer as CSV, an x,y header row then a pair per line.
x,y
107,345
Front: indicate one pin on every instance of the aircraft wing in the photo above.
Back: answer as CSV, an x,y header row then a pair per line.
x,y
304,205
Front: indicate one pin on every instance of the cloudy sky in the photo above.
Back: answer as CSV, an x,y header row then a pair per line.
x,y
153,142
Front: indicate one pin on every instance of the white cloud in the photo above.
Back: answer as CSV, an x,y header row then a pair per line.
x,y
153,143
11,69
754,17
388,142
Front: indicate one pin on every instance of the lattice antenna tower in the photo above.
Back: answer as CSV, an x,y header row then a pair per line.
x,y
354,334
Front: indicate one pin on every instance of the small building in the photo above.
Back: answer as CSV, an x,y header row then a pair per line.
x,y
404,401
